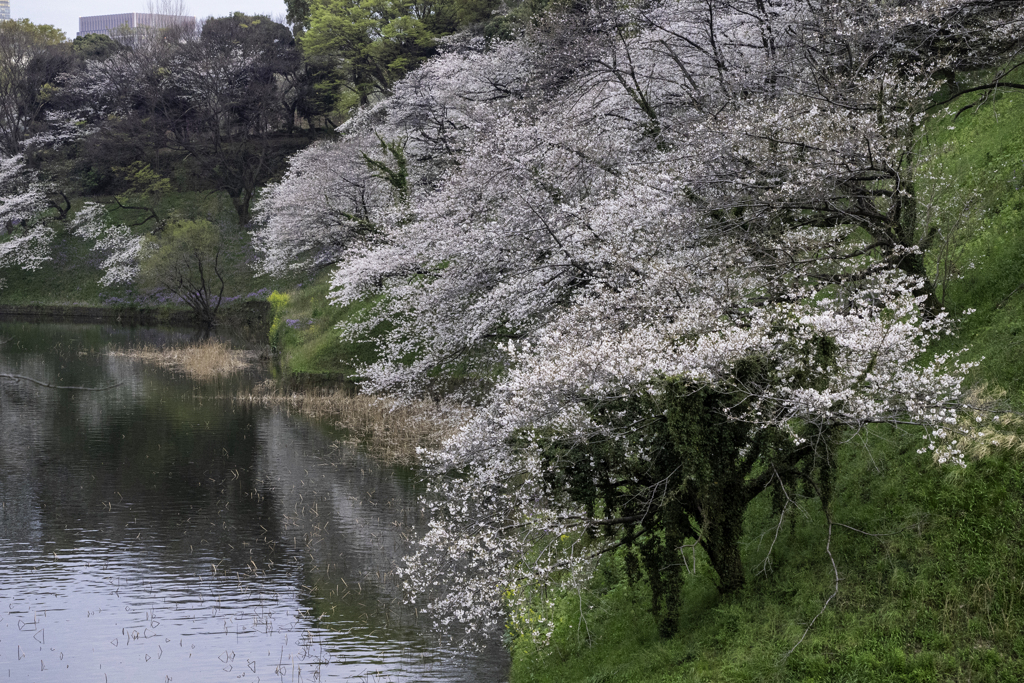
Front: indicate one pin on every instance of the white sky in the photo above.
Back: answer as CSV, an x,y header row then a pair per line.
x,y
64,13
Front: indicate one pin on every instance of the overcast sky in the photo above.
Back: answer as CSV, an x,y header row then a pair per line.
x,y
64,13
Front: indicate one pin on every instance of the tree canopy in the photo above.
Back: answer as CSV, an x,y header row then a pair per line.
x,y
21,44
225,99
376,42
671,251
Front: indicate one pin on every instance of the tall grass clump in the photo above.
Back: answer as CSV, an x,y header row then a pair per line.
x,y
391,430
204,360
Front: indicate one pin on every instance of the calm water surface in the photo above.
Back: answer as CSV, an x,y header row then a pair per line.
x,y
155,532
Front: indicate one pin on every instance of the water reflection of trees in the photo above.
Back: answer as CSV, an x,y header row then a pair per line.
x,y
348,516
145,464
217,494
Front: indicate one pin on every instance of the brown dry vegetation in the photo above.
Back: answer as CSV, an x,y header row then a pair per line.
x,y
390,429
204,360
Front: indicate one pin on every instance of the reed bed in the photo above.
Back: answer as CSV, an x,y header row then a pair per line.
x,y
391,430
202,360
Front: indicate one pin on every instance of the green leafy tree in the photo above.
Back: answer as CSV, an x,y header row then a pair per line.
x,y
298,15
144,185
185,260
375,41
95,46
21,42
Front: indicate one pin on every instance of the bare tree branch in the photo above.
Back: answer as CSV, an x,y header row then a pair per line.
x,y
16,378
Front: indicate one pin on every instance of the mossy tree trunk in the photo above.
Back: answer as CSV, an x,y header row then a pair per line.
x,y
689,475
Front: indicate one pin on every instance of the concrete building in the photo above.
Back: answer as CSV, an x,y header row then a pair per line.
x,y
123,26
5,10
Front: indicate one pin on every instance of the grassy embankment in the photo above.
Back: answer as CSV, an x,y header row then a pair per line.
x,y
931,562
305,336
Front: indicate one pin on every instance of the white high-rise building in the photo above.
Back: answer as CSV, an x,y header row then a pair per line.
x,y
124,26
5,10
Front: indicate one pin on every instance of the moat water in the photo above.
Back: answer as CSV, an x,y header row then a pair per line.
x,y
160,531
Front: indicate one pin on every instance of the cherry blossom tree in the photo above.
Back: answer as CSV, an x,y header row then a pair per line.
x,y
327,199
123,248
24,239
672,253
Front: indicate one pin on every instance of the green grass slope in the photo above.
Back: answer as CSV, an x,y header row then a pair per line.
x,y
305,334
71,277
929,558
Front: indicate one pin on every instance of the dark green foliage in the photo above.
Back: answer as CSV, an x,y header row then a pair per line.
x,y
471,12
298,15
229,133
253,34
95,46
688,475
376,42
31,55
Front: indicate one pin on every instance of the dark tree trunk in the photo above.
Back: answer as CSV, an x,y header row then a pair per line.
x,y
722,543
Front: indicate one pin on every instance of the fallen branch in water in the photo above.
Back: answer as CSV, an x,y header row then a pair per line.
x,y
6,375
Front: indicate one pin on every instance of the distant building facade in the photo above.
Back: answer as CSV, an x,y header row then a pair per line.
x,y
5,10
123,26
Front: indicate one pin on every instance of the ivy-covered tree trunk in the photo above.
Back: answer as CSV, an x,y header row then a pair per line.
x,y
710,448
722,543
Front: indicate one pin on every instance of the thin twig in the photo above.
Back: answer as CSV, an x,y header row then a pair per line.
x,y
1008,297
835,592
860,531
767,562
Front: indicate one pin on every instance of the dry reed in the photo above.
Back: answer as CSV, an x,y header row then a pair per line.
x,y
391,430
204,360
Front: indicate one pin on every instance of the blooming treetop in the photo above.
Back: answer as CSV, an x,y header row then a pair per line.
x,y
23,242
123,247
25,237
670,251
